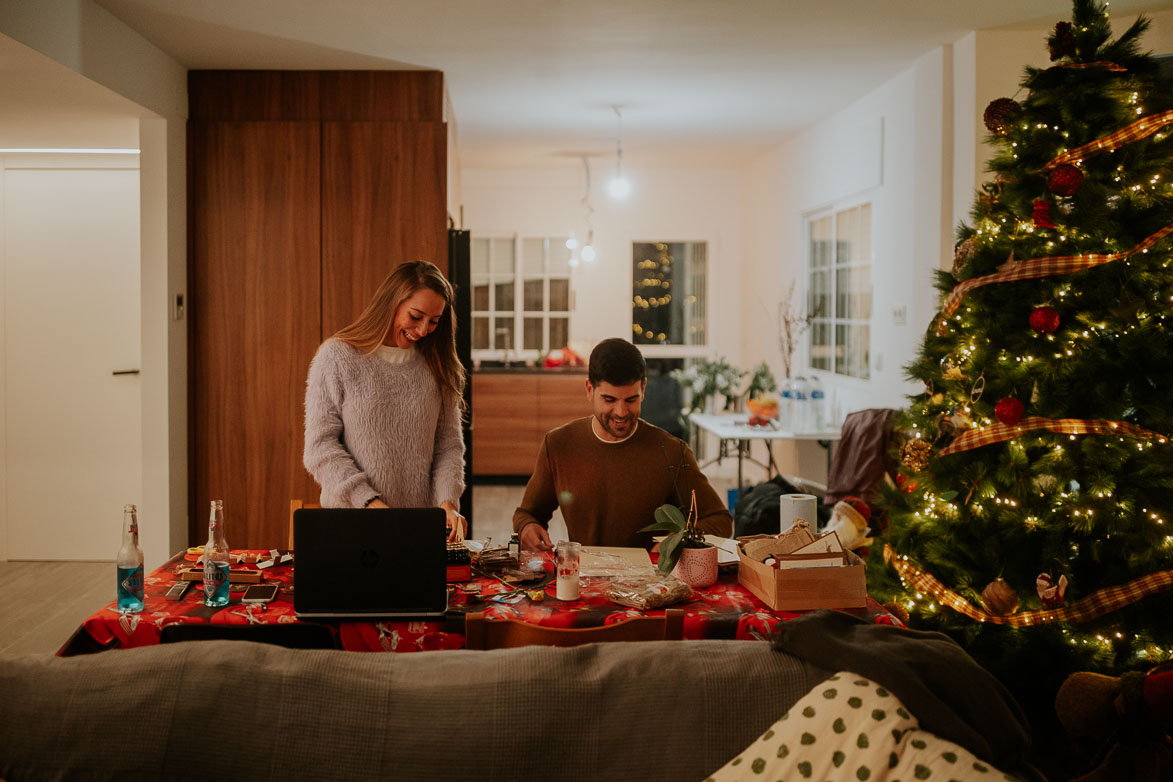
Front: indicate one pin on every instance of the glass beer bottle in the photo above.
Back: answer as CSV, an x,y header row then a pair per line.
x,y
216,559
130,565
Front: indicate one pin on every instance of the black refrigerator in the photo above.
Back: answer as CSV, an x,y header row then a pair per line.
x,y
460,275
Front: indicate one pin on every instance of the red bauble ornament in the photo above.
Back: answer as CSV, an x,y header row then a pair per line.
x,y
1000,115
1009,410
1042,213
1044,320
1065,180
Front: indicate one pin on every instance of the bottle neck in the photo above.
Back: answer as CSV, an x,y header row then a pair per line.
x,y
216,527
130,527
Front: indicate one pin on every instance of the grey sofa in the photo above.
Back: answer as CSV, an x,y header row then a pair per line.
x,y
239,710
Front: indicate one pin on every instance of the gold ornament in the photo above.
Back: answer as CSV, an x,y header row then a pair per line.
x,y
951,368
963,255
999,599
914,455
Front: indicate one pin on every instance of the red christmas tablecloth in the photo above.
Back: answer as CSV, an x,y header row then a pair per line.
x,y
724,610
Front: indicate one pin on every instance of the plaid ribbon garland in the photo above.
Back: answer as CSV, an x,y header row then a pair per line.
x,y
1068,264
1042,267
1108,66
1101,602
1000,432
1142,128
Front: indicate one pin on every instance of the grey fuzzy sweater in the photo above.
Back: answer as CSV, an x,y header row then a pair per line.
x,y
376,428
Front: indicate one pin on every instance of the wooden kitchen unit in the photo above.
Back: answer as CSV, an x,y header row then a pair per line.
x,y
512,410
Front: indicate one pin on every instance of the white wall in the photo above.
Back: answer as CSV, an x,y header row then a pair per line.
x,y
890,148
88,39
666,205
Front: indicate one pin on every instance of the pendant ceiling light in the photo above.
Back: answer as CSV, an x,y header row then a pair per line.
x,y
619,187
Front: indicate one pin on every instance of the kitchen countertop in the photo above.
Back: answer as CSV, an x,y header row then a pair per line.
x,y
522,369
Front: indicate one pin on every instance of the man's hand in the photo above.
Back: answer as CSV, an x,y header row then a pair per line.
x,y
535,538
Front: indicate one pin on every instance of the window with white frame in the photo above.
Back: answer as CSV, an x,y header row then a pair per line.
x,y
521,300
839,290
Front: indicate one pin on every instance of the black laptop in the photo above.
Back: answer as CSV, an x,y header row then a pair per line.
x,y
370,563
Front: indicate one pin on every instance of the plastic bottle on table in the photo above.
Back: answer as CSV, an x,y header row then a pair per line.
x,y
800,421
130,565
786,406
818,405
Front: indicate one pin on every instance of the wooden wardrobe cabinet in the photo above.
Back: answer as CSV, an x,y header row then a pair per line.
x,y
305,189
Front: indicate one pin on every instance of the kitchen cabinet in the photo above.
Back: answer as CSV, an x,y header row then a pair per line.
x,y
513,410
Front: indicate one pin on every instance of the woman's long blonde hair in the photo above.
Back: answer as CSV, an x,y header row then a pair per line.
x,y
438,349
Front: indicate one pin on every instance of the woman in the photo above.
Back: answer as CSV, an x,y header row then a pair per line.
x,y
383,402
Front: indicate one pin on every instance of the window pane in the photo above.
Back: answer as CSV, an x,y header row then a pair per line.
x,y
853,295
480,296
819,300
559,259
532,334
846,233
669,282
502,256
533,257
851,354
503,333
559,333
820,241
479,256
503,301
480,333
534,296
559,295
820,346
863,238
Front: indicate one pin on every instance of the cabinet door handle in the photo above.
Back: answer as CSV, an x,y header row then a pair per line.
x,y
125,372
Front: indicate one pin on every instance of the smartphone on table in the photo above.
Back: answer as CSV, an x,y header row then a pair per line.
x,y
260,593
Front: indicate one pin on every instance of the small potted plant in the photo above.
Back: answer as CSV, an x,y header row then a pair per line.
x,y
684,552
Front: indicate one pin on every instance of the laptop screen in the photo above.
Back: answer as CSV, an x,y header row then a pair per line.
x,y
370,563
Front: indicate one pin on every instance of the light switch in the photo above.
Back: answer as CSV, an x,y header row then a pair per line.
x,y
177,312
900,315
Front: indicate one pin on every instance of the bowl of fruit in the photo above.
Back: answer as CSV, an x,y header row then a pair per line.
x,y
763,409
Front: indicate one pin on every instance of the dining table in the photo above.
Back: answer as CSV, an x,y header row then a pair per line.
x,y
725,610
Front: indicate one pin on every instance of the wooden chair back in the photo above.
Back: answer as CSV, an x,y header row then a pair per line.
x,y
295,505
292,635
482,633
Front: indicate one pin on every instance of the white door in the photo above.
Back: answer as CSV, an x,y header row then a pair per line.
x,y
72,444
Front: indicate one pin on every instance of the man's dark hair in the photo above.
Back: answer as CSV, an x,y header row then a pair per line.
x,y
616,361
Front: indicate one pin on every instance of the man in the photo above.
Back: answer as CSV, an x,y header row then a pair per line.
x,y
609,472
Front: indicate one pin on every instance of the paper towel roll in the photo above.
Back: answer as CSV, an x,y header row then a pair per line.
x,y
798,506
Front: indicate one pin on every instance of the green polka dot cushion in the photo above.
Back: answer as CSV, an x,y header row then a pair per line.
x,y
850,728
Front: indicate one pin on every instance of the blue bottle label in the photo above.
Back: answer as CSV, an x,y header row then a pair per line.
x,y
130,589
216,584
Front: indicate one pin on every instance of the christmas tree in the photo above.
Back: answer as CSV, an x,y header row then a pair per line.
x,y
1034,512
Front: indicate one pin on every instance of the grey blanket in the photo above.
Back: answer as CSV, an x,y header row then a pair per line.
x,y
950,694
231,710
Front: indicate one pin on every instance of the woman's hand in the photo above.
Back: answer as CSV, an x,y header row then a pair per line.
x,y
457,524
